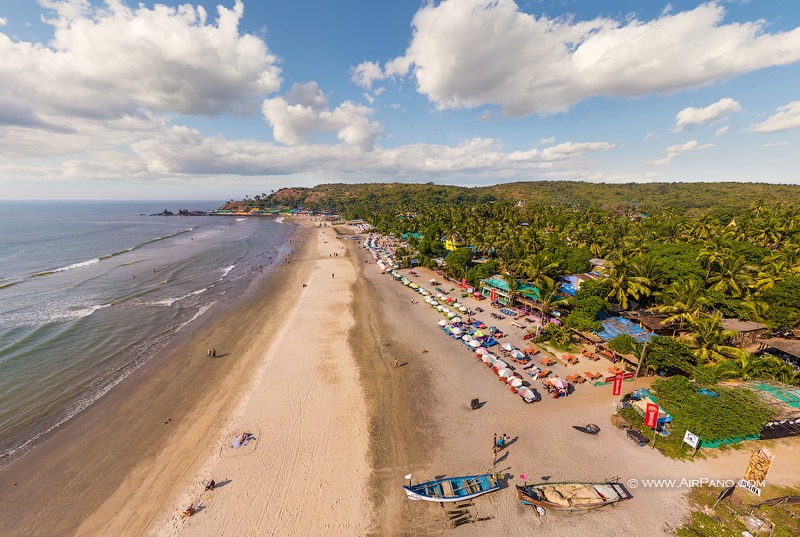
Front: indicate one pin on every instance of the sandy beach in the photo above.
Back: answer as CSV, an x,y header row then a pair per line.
x,y
309,371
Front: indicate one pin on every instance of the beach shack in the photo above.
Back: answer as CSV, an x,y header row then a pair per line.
x,y
747,332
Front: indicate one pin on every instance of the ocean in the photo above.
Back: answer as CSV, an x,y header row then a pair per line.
x,y
90,290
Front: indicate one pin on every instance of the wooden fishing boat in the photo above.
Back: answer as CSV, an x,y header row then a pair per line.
x,y
571,496
453,489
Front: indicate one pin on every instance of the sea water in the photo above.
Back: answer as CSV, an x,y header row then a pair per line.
x,y
90,290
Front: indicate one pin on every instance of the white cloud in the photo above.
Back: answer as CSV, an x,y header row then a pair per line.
x,y
366,73
304,110
721,131
703,116
182,150
651,135
541,65
548,140
3,21
110,61
774,144
785,118
675,150
369,98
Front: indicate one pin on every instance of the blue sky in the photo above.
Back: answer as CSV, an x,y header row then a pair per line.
x,y
104,100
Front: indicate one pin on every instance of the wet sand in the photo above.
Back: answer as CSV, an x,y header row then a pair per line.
x,y
113,469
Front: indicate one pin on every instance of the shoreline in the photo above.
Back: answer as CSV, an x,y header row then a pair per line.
x,y
104,450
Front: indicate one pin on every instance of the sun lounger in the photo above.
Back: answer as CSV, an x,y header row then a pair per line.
x,y
571,359
544,373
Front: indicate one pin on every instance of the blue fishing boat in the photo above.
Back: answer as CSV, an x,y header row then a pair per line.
x,y
453,489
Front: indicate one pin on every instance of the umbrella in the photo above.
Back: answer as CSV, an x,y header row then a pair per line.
x,y
474,343
527,394
449,313
442,322
462,309
504,373
515,382
456,331
487,358
479,333
516,353
559,383
427,300
507,346
440,308
482,350
456,319
466,337
500,364
492,329
440,295
433,281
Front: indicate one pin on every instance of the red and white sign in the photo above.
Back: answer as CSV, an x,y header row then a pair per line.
x,y
464,283
651,415
494,295
618,384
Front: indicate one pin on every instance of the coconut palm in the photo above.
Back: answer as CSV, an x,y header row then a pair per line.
x,y
624,283
549,297
709,339
734,277
537,267
683,302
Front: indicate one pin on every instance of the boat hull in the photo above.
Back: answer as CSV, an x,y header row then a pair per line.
x,y
453,489
572,496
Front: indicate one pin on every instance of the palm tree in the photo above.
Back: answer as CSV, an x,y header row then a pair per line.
x,y
537,267
683,302
624,283
734,277
549,297
712,255
709,338
513,286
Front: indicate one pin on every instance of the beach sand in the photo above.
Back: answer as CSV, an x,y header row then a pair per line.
x,y
337,426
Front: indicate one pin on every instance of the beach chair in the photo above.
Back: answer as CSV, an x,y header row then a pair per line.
x,y
579,379
543,374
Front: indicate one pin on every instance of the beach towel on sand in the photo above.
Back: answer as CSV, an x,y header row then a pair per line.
x,y
237,441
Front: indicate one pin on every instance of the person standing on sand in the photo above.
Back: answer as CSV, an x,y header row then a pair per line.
x,y
209,353
396,365
213,353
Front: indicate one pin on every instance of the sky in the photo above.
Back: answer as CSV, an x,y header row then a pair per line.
x,y
212,100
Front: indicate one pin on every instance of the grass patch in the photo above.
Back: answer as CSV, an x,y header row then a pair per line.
x,y
726,519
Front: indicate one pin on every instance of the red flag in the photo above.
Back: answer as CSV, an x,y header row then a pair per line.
x,y
651,416
618,383
464,283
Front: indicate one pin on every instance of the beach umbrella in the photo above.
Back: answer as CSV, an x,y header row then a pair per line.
x,y
474,343
414,286
456,319
449,314
516,353
427,300
527,394
500,364
433,303
507,346
559,383
515,382
439,296
456,331
486,358
479,333
442,322
440,307
492,329
433,281
482,350
466,337
462,309
504,373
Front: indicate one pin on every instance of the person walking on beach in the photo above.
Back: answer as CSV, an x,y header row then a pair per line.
x,y
209,353
213,353
332,275
396,365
